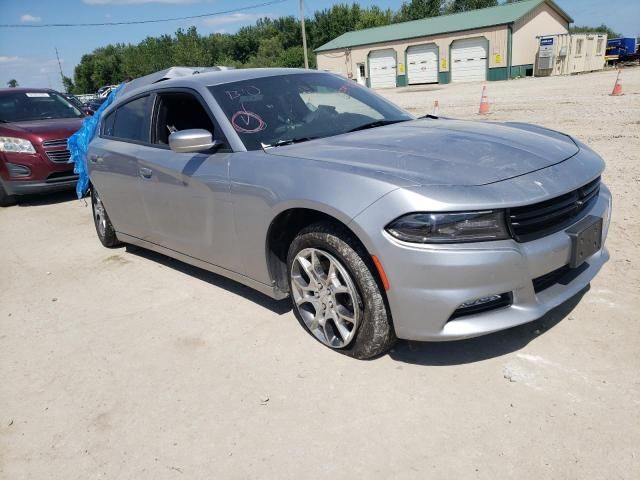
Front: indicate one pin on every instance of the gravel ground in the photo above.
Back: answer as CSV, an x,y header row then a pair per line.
x,y
124,364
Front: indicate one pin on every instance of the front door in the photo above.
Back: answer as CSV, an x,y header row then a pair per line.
x,y
113,165
360,74
186,194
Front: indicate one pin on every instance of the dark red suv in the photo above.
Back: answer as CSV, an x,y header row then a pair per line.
x,y
34,127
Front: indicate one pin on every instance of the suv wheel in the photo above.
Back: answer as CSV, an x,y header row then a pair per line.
x,y
106,232
336,294
6,200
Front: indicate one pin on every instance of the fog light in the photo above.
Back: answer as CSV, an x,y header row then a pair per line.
x,y
18,170
483,304
480,301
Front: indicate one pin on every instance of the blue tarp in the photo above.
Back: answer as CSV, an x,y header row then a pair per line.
x,y
78,144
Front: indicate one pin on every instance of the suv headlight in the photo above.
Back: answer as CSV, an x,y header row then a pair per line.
x,y
450,227
16,145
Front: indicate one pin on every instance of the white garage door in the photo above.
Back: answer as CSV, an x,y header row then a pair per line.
x,y
382,68
422,64
469,60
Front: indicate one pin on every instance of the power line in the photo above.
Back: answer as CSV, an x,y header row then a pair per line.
x,y
137,22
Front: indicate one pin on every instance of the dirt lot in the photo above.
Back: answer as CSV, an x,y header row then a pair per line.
x,y
127,365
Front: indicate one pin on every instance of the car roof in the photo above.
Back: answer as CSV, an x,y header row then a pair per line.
x,y
209,79
24,90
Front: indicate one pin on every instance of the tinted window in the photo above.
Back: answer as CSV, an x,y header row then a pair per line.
x,y
132,120
107,124
28,106
307,105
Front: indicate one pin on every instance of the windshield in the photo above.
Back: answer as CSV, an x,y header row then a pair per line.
x,y
28,106
277,110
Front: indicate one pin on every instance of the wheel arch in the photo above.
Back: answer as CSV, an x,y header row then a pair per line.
x,y
287,224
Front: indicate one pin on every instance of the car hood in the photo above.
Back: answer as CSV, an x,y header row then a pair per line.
x,y
442,152
56,127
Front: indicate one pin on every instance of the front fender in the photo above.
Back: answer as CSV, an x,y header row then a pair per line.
x,y
263,186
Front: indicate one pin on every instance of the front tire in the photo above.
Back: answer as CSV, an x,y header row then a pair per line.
x,y
104,228
336,294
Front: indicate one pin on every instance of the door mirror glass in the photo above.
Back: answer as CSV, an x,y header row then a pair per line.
x,y
192,140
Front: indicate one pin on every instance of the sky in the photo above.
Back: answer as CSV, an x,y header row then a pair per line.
x,y
28,54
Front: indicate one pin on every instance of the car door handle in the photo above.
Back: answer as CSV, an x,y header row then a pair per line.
x,y
95,158
145,172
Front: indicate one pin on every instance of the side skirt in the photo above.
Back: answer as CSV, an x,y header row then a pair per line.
x,y
268,290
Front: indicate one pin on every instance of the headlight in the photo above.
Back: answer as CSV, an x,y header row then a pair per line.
x,y
16,145
450,227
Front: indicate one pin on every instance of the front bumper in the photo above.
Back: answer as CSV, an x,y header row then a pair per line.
x,y
429,282
26,187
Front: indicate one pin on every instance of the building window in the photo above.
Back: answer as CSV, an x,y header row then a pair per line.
x,y
579,47
362,72
599,47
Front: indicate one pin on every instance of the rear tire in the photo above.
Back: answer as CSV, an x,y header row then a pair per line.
x,y
6,200
336,293
104,228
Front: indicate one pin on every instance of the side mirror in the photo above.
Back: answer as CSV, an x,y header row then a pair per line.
x,y
192,140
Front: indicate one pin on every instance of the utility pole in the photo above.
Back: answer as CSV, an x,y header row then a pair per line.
x,y
304,35
60,67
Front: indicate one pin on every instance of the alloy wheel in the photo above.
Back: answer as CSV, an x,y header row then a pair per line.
x,y
99,214
325,296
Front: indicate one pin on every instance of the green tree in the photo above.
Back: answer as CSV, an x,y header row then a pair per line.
x,y
417,9
600,29
268,54
190,49
374,17
13,83
83,75
330,23
457,6
67,84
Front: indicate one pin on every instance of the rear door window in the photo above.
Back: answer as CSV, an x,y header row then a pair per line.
x,y
132,120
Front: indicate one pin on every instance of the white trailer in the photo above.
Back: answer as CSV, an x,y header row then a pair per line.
x,y
565,54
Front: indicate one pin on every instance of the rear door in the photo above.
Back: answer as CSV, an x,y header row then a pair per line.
x,y
113,164
186,195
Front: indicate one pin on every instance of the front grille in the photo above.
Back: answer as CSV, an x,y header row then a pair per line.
x,y
540,219
61,177
56,150
61,142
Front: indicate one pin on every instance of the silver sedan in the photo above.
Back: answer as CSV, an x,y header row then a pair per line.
x,y
377,224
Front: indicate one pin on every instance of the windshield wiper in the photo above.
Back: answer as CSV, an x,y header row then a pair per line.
x,y
376,123
289,141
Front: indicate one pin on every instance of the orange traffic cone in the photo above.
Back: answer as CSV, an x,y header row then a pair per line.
x,y
484,101
436,106
617,88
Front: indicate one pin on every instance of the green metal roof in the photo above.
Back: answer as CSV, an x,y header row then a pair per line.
x,y
484,17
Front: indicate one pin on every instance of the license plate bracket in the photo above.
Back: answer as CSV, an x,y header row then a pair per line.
x,y
586,239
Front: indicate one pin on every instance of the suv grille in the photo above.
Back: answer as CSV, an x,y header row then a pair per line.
x,y
540,219
56,150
